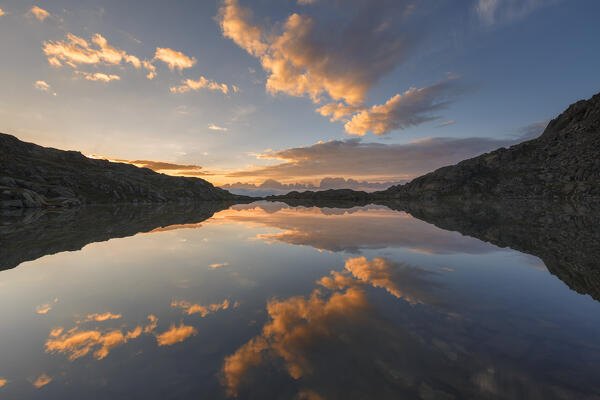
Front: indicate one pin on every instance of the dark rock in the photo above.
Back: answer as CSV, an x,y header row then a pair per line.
x,y
35,176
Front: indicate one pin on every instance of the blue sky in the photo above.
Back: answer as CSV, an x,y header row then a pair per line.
x,y
481,71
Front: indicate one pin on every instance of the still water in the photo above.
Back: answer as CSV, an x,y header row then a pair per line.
x,y
269,301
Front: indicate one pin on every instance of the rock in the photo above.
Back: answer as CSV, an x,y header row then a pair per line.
x,y
35,176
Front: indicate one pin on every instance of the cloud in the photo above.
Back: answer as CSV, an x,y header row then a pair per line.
x,y
175,334
98,76
102,317
447,123
370,161
3,381
151,69
75,51
160,166
174,59
218,265
38,13
1,14
202,83
275,187
338,111
335,230
295,325
413,107
43,309
304,57
77,343
42,380
191,309
214,127
491,12
399,279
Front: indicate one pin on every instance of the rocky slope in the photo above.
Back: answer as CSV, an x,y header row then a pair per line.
x,y
36,176
564,162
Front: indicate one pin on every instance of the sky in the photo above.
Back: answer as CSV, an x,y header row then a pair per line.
x,y
292,91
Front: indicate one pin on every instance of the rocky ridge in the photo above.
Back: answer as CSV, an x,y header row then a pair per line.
x,y
36,176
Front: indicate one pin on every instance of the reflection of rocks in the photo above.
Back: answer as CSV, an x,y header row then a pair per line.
x,y
29,234
565,236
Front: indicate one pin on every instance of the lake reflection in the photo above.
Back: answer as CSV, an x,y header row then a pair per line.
x,y
265,300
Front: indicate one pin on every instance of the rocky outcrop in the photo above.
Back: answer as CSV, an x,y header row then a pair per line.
x,y
324,198
564,162
29,233
33,176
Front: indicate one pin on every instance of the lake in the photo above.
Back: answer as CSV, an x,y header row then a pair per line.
x,y
272,301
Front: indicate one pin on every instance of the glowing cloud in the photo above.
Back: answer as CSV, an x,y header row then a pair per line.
x,y
296,325
174,59
214,127
42,85
218,265
103,317
202,83
3,381
75,51
411,108
1,14
76,343
176,334
191,309
38,13
42,380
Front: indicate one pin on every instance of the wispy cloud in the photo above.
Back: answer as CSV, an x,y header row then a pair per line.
x,y
202,83
447,123
2,12
214,127
492,12
413,107
203,310
99,76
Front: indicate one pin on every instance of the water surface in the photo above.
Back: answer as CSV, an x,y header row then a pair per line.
x,y
266,301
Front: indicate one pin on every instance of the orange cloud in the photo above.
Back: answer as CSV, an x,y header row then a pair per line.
x,y
3,381
175,334
38,13
411,108
42,380
399,279
102,317
191,309
2,12
189,84
297,327
174,59
43,308
77,343
75,51
218,265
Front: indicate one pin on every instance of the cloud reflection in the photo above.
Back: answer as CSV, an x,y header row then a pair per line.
x,y
335,229
176,334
